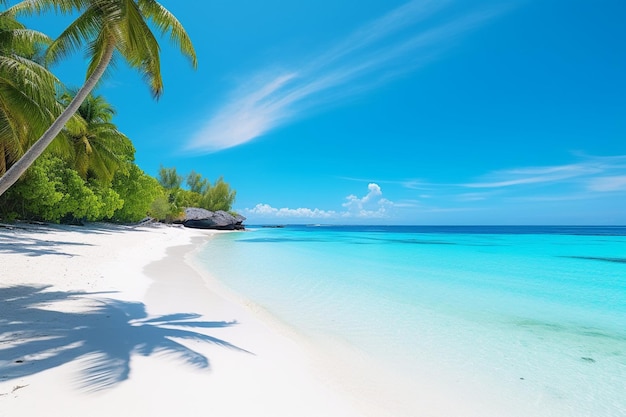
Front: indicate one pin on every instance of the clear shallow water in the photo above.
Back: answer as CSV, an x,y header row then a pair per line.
x,y
528,317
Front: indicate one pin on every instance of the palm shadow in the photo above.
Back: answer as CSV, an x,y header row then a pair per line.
x,y
102,333
14,238
32,246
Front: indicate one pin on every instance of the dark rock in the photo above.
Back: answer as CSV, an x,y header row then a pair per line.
x,y
207,224
199,218
193,213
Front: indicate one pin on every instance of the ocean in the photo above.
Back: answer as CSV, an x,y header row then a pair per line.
x,y
485,321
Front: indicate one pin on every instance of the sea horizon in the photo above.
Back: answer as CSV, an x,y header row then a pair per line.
x,y
455,228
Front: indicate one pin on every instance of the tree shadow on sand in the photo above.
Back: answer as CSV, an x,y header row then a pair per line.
x,y
32,240
37,334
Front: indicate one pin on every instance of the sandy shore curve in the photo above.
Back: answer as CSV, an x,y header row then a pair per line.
x,y
109,320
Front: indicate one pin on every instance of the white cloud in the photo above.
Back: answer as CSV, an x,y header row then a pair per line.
x,y
266,210
371,205
373,193
381,50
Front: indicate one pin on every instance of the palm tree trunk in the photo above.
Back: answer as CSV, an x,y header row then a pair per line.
x,y
3,159
18,169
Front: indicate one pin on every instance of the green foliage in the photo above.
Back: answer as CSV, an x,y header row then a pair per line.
x,y
139,191
196,183
200,194
51,191
162,209
218,197
185,198
35,193
169,178
110,201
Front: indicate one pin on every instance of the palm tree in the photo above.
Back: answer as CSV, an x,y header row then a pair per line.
x,y
107,26
97,148
27,90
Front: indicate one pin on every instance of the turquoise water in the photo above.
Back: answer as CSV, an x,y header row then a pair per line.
x,y
527,317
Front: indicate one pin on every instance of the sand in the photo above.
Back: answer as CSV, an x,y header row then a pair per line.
x,y
115,321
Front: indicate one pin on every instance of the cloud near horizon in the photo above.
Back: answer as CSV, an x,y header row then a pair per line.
x,y
378,52
265,210
371,205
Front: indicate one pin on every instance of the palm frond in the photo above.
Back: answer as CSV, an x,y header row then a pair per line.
x,y
24,42
166,22
34,83
11,131
34,117
141,49
83,29
32,7
15,131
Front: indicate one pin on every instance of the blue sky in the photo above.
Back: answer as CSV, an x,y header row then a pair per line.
x,y
391,112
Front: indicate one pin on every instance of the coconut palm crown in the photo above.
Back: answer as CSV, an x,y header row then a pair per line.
x,y
105,27
96,148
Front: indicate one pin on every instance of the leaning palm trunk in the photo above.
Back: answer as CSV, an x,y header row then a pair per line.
x,y
107,25
19,168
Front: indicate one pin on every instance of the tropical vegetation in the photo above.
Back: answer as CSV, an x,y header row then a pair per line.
x,y
62,158
199,192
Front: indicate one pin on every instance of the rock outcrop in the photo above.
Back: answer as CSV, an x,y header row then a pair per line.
x,y
199,218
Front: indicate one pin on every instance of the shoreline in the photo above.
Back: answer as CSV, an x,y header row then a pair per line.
x,y
104,320
345,369
356,376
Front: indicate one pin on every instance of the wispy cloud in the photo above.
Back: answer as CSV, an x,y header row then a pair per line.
x,y
592,170
589,175
367,58
607,184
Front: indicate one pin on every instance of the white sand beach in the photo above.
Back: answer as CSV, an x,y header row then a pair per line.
x,y
112,321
